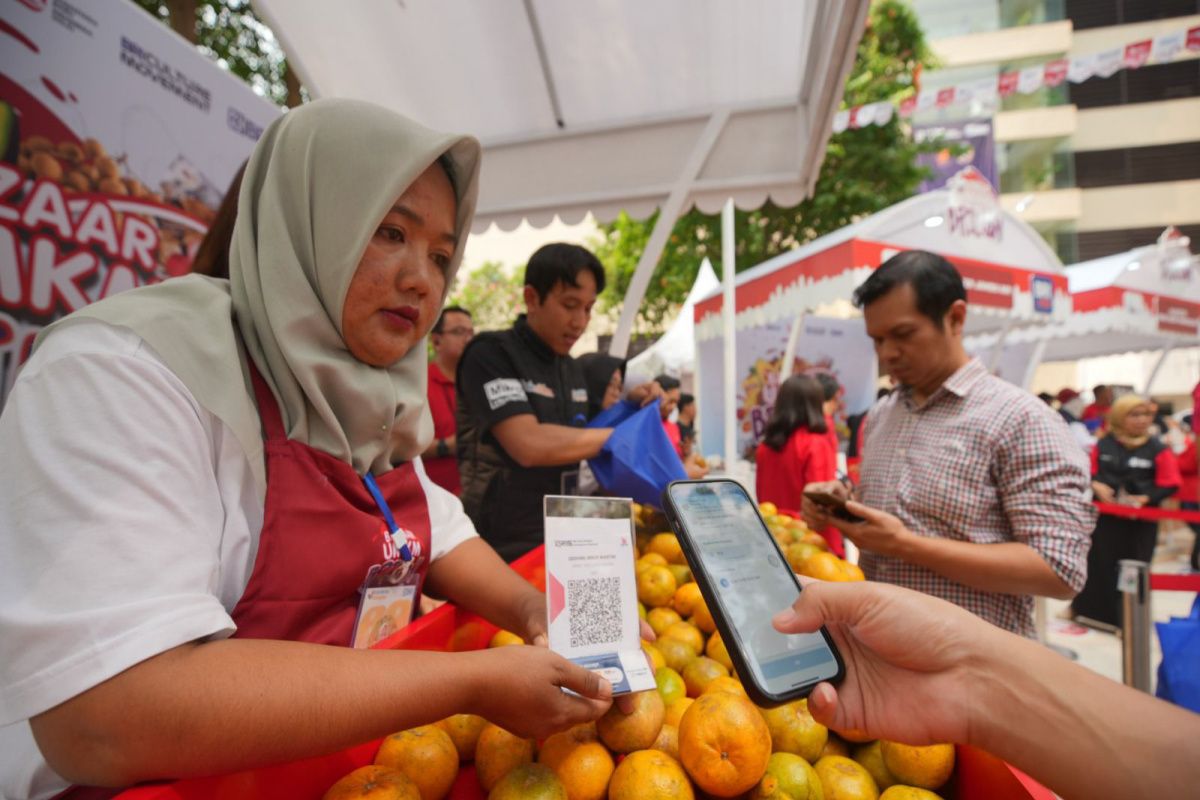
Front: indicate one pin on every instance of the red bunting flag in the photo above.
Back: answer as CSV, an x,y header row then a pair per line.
x,y
908,105
1137,53
945,97
1056,71
1007,85
1193,38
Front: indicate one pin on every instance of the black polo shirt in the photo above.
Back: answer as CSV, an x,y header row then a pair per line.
x,y
503,374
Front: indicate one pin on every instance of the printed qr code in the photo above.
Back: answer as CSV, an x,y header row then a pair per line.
x,y
594,609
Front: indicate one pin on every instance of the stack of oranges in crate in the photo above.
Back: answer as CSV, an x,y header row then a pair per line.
x,y
697,736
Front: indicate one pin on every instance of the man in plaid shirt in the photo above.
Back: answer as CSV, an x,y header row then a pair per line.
x,y
972,489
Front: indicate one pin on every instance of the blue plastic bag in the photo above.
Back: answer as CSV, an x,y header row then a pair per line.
x,y
1179,672
638,460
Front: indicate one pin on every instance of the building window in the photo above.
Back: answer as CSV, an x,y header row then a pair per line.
x,y
1086,14
1097,244
1146,85
1127,165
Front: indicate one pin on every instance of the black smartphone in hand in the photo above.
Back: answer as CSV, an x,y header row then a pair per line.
x,y
745,580
835,504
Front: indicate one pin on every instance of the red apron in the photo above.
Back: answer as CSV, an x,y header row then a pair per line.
x,y
321,533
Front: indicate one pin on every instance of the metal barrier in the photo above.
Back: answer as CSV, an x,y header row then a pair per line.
x,y
1135,583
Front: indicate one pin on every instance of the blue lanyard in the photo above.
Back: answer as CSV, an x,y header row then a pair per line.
x,y
388,519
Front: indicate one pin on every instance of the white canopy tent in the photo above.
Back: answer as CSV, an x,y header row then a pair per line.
x,y
1145,299
597,107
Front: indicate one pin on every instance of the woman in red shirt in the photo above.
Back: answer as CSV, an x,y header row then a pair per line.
x,y
796,449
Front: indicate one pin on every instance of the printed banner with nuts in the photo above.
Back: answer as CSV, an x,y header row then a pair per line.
x,y
117,142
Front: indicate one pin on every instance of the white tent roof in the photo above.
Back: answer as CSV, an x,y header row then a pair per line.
x,y
1127,302
598,106
916,223
675,351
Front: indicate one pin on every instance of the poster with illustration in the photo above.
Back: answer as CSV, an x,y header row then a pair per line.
x,y
839,347
117,141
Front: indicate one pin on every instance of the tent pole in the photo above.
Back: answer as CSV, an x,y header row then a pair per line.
x,y
729,320
998,347
1035,360
1162,357
789,352
667,216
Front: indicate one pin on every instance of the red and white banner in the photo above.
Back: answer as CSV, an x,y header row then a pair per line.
x,y
117,142
1077,69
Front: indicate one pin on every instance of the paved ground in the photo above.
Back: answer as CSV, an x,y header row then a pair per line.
x,y
1101,651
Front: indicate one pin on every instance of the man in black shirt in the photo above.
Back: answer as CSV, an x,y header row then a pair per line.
x,y
522,402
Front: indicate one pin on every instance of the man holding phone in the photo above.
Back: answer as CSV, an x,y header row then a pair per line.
x,y
972,490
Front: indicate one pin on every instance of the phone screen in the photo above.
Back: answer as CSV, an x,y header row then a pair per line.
x,y
751,583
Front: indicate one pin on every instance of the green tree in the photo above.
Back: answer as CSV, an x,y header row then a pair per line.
x,y
865,170
492,293
230,32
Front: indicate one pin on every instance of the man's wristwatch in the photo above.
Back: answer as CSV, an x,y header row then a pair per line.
x,y
442,450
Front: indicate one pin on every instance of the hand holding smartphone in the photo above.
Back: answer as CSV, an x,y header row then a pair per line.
x,y
745,580
835,504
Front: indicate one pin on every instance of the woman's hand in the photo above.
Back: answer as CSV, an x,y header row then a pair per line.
x,y
521,689
1103,492
532,610
644,394
909,660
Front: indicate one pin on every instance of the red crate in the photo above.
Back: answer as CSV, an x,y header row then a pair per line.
x,y
978,776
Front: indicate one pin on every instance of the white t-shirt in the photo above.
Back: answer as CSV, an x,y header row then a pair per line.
x,y
129,524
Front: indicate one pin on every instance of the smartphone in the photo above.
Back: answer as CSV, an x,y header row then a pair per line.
x,y
836,505
745,580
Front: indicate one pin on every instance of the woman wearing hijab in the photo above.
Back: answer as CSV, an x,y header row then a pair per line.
x,y
200,476
604,376
1129,467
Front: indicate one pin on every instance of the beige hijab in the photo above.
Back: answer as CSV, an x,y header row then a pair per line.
x,y
316,187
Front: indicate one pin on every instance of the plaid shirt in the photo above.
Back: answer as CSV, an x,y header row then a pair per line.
x,y
984,462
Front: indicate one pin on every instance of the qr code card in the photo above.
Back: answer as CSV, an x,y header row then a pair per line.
x,y
591,591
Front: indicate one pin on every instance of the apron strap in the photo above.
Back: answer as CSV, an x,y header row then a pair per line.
x,y
268,409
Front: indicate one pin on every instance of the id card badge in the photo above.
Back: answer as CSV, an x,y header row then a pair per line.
x,y
389,599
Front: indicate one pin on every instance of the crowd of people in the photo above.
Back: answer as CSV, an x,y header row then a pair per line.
x,y
202,478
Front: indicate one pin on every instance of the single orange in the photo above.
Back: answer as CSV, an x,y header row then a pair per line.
x,y
675,711
725,683
700,672
724,743
682,573
716,650
650,775
661,618
834,746
374,783
870,755
798,553
925,767
637,730
815,539
855,735
657,661
843,779
793,730
685,599
426,754
497,753
655,585
464,730
767,509
686,632
583,765
823,566
667,545
649,559
505,638
668,741
670,685
529,782
676,653
908,793
797,779
702,618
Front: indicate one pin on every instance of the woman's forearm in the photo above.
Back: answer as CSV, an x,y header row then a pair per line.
x,y
227,705
475,578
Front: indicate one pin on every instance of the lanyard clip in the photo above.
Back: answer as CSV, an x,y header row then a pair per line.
x,y
388,519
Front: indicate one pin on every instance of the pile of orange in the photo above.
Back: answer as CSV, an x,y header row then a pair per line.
x,y
698,735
